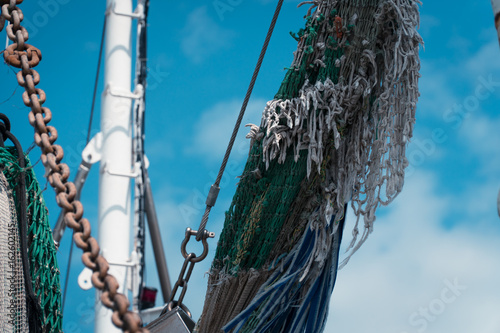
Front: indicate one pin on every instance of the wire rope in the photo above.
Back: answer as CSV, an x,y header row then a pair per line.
x,y
215,187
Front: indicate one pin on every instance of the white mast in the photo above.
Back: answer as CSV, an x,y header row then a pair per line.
x,y
116,163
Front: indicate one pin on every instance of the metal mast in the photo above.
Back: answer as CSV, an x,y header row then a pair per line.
x,y
116,163
143,202
139,157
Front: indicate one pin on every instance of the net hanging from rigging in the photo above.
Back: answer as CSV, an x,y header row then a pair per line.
x,y
336,132
41,251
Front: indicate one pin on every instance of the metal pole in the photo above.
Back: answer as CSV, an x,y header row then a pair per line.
x,y
116,164
154,231
139,112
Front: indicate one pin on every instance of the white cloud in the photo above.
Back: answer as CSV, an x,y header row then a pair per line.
x,y
480,134
203,37
428,24
213,129
407,264
436,93
485,60
480,139
442,87
459,44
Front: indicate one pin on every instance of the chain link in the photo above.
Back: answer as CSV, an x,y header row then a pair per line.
x,y
182,281
10,4
25,56
190,259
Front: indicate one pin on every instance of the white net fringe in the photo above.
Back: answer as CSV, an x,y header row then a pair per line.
x,y
366,164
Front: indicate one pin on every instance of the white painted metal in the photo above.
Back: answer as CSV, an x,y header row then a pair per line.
x,y
114,190
84,279
92,152
149,315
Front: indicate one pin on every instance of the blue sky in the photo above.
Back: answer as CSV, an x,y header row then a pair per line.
x,y
433,261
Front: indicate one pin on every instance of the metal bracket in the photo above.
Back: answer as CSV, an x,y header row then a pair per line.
x,y
137,14
133,174
85,279
123,264
137,94
130,266
92,152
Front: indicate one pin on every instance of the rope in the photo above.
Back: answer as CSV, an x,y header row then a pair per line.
x,y
214,190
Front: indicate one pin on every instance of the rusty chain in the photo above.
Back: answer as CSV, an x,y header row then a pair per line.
x,y
26,57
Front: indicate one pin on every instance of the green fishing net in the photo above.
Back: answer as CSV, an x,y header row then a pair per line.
x,y
41,248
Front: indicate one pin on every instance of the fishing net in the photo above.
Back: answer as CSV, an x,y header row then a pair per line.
x,y
335,132
13,312
41,251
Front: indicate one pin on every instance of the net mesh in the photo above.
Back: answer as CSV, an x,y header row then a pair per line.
x,y
336,131
41,248
345,110
13,316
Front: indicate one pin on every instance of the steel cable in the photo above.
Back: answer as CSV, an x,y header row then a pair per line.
x,y
212,196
